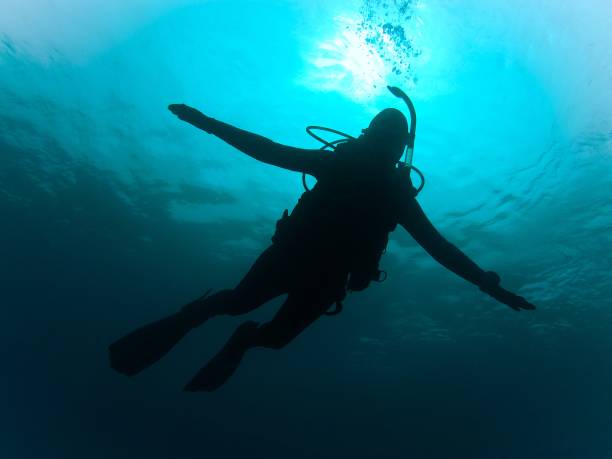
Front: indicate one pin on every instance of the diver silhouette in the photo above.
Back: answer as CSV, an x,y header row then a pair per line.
x,y
331,242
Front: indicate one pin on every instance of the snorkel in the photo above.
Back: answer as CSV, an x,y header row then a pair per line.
x,y
397,92
408,154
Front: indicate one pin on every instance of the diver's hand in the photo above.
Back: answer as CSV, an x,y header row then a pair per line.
x,y
510,299
190,115
490,285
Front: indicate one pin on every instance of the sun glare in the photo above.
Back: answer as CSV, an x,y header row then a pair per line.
x,y
347,63
360,58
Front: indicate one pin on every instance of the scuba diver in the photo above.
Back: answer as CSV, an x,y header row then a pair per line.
x,y
330,243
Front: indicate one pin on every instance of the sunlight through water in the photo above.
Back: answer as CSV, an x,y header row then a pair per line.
x,y
114,213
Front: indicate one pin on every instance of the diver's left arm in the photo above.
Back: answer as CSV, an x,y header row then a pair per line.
x,y
448,255
254,145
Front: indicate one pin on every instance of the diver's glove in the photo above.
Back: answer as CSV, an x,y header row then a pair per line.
x,y
489,284
192,116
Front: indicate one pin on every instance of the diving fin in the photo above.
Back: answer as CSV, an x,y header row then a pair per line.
x,y
219,369
146,345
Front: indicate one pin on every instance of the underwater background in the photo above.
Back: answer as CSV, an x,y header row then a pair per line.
x,y
114,213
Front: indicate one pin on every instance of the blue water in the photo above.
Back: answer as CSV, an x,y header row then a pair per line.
x,y
114,213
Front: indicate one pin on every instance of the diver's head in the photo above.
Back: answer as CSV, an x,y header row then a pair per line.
x,y
387,135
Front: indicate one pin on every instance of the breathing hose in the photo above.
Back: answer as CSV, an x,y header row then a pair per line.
x,y
407,162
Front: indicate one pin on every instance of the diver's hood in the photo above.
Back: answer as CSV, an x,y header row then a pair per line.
x,y
390,125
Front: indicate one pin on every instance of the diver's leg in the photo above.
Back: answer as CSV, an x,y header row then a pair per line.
x,y
138,350
299,310
267,279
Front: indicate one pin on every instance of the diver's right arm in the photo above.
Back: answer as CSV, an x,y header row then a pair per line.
x,y
414,220
256,146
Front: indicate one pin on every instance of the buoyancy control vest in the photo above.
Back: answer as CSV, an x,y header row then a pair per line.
x,y
346,218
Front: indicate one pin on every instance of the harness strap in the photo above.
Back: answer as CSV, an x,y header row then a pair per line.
x,y
337,310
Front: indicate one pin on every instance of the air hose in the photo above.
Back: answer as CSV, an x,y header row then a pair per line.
x,y
407,162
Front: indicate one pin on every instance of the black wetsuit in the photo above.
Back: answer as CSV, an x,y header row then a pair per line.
x,y
318,245
330,242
